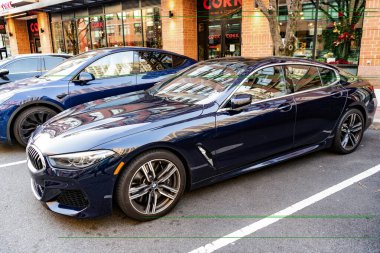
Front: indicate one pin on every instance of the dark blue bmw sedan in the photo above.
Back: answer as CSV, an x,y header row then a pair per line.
x,y
216,120
93,75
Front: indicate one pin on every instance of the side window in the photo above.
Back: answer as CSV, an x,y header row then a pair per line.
x,y
113,65
154,61
265,83
328,76
23,66
52,61
178,61
303,77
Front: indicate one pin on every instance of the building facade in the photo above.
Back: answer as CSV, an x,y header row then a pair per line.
x,y
201,29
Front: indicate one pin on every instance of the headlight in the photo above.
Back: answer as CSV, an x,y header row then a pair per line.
x,y
5,96
79,160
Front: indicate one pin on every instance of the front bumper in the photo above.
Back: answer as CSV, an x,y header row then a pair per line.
x,y
80,193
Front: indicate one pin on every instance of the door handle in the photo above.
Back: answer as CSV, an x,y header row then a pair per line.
x,y
285,107
60,96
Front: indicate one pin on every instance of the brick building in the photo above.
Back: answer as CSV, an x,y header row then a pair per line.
x,y
201,29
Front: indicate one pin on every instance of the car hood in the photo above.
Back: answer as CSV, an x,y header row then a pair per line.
x,y
23,84
86,126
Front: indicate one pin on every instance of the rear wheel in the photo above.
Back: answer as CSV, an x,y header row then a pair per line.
x,y
29,120
151,185
349,132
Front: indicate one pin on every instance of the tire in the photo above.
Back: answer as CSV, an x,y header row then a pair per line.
x,y
136,194
29,120
348,133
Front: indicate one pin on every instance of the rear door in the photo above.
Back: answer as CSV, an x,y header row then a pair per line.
x,y
114,74
320,101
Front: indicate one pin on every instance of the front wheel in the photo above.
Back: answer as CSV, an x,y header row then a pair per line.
x,y
151,185
29,120
349,132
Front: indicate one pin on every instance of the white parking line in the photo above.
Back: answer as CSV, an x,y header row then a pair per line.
x,y
12,164
245,231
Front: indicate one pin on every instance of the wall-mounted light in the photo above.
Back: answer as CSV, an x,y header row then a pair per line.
x,y
42,30
10,34
171,14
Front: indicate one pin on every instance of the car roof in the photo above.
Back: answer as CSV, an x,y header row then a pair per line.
x,y
260,61
37,55
125,48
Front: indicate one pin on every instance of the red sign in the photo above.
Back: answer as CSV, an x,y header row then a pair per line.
x,y
97,25
33,27
7,5
217,4
232,35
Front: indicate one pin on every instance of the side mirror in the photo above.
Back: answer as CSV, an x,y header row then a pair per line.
x,y
240,100
4,72
85,77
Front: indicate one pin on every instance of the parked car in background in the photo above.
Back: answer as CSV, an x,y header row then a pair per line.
x,y
215,120
89,76
28,65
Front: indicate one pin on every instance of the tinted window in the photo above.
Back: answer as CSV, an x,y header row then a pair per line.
x,y
178,61
265,83
150,61
303,77
52,61
23,66
112,65
327,76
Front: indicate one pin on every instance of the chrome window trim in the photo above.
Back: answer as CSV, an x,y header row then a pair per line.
x,y
221,108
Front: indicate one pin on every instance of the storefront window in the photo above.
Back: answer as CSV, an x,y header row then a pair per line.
x,y
132,28
58,39
114,29
84,42
339,32
152,27
70,33
98,35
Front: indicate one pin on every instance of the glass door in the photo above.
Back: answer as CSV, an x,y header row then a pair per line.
x,y
223,39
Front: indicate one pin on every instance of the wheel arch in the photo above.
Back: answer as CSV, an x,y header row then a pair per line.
x,y
26,106
361,108
158,146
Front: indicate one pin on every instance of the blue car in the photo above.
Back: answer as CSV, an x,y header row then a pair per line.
x,y
25,104
216,120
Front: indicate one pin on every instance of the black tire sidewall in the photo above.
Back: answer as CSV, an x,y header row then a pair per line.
x,y
337,145
122,186
22,116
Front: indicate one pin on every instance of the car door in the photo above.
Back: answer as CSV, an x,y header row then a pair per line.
x,y
23,68
113,74
155,66
320,101
261,129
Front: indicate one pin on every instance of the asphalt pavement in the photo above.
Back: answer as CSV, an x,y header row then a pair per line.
x,y
346,221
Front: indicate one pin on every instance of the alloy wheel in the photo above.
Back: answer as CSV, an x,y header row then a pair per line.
x,y
32,121
351,131
154,186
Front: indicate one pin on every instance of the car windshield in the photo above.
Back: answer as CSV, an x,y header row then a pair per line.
x,y
200,84
68,66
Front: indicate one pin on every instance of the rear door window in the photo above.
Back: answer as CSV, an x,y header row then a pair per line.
x,y
328,76
52,61
303,77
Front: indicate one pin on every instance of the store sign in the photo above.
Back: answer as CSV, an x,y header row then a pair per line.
x,y
97,26
212,8
33,27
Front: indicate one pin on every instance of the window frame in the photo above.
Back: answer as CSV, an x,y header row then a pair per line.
x,y
224,105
